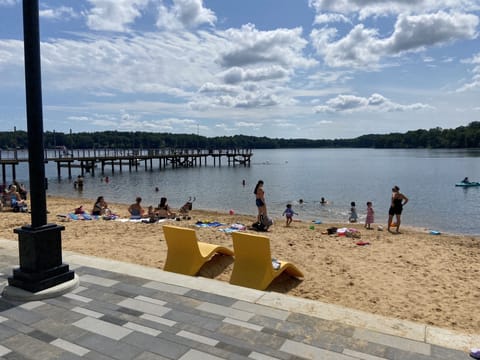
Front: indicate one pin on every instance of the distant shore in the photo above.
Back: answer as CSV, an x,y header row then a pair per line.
x,y
417,276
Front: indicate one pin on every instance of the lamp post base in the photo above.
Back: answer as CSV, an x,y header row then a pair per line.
x,y
40,255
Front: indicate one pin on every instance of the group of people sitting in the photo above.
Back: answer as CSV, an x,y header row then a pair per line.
x,y
162,211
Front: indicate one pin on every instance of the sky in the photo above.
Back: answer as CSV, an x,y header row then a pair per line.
x,y
315,69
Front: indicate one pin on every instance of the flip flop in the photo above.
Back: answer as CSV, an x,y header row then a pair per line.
x,y
362,243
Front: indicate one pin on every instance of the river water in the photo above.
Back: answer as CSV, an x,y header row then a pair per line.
x,y
426,177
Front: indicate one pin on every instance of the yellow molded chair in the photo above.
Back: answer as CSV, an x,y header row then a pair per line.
x,y
186,254
253,266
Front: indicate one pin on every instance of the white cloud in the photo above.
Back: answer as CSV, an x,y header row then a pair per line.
x,y
474,83
363,47
236,74
374,103
109,15
330,18
184,14
248,46
60,13
367,8
8,2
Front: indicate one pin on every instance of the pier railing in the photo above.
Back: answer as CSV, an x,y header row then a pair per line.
x,y
88,159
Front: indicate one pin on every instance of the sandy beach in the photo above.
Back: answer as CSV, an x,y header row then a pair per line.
x,y
417,276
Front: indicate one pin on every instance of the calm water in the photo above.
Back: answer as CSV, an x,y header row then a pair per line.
x,y
427,177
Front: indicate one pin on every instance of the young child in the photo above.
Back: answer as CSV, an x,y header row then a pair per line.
x,y
353,213
289,214
370,213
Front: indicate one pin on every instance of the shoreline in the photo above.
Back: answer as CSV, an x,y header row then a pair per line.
x,y
416,276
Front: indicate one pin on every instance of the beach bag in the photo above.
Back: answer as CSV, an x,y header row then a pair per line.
x,y
332,230
262,225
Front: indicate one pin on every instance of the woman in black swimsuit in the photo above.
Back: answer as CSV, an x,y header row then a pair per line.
x,y
260,200
396,207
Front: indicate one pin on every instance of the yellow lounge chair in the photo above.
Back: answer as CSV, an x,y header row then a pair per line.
x,y
253,266
186,254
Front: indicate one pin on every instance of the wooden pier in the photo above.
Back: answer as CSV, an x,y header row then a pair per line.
x,y
93,160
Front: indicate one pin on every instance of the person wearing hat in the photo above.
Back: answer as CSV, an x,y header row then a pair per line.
x,y
398,201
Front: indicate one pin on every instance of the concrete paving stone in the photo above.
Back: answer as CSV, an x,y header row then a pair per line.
x,y
61,302
317,323
130,312
198,338
146,355
180,303
58,314
143,306
127,279
42,336
210,298
68,356
17,326
259,356
156,345
100,327
249,338
59,329
261,310
240,350
6,305
97,280
119,350
4,350
95,355
143,329
398,354
178,290
225,311
150,300
128,290
31,348
366,347
30,305
181,317
21,315
449,354
243,324
362,356
70,347
79,289
77,297
158,320
103,294
87,312
196,355
6,332
113,320
393,341
3,318
16,356
312,352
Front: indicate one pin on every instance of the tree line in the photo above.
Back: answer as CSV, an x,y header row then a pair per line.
x,y
436,138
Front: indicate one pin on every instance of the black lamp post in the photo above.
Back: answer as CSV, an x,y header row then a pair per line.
x,y
40,250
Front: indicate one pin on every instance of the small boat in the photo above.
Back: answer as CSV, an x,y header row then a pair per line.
x,y
468,184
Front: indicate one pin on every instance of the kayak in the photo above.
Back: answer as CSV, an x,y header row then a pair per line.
x,y
472,183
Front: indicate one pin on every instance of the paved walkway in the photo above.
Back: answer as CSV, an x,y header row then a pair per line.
x,y
126,311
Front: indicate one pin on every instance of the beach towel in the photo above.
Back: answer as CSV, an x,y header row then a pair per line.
x,y
208,224
233,228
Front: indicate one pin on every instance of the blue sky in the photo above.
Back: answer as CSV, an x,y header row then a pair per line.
x,y
318,69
